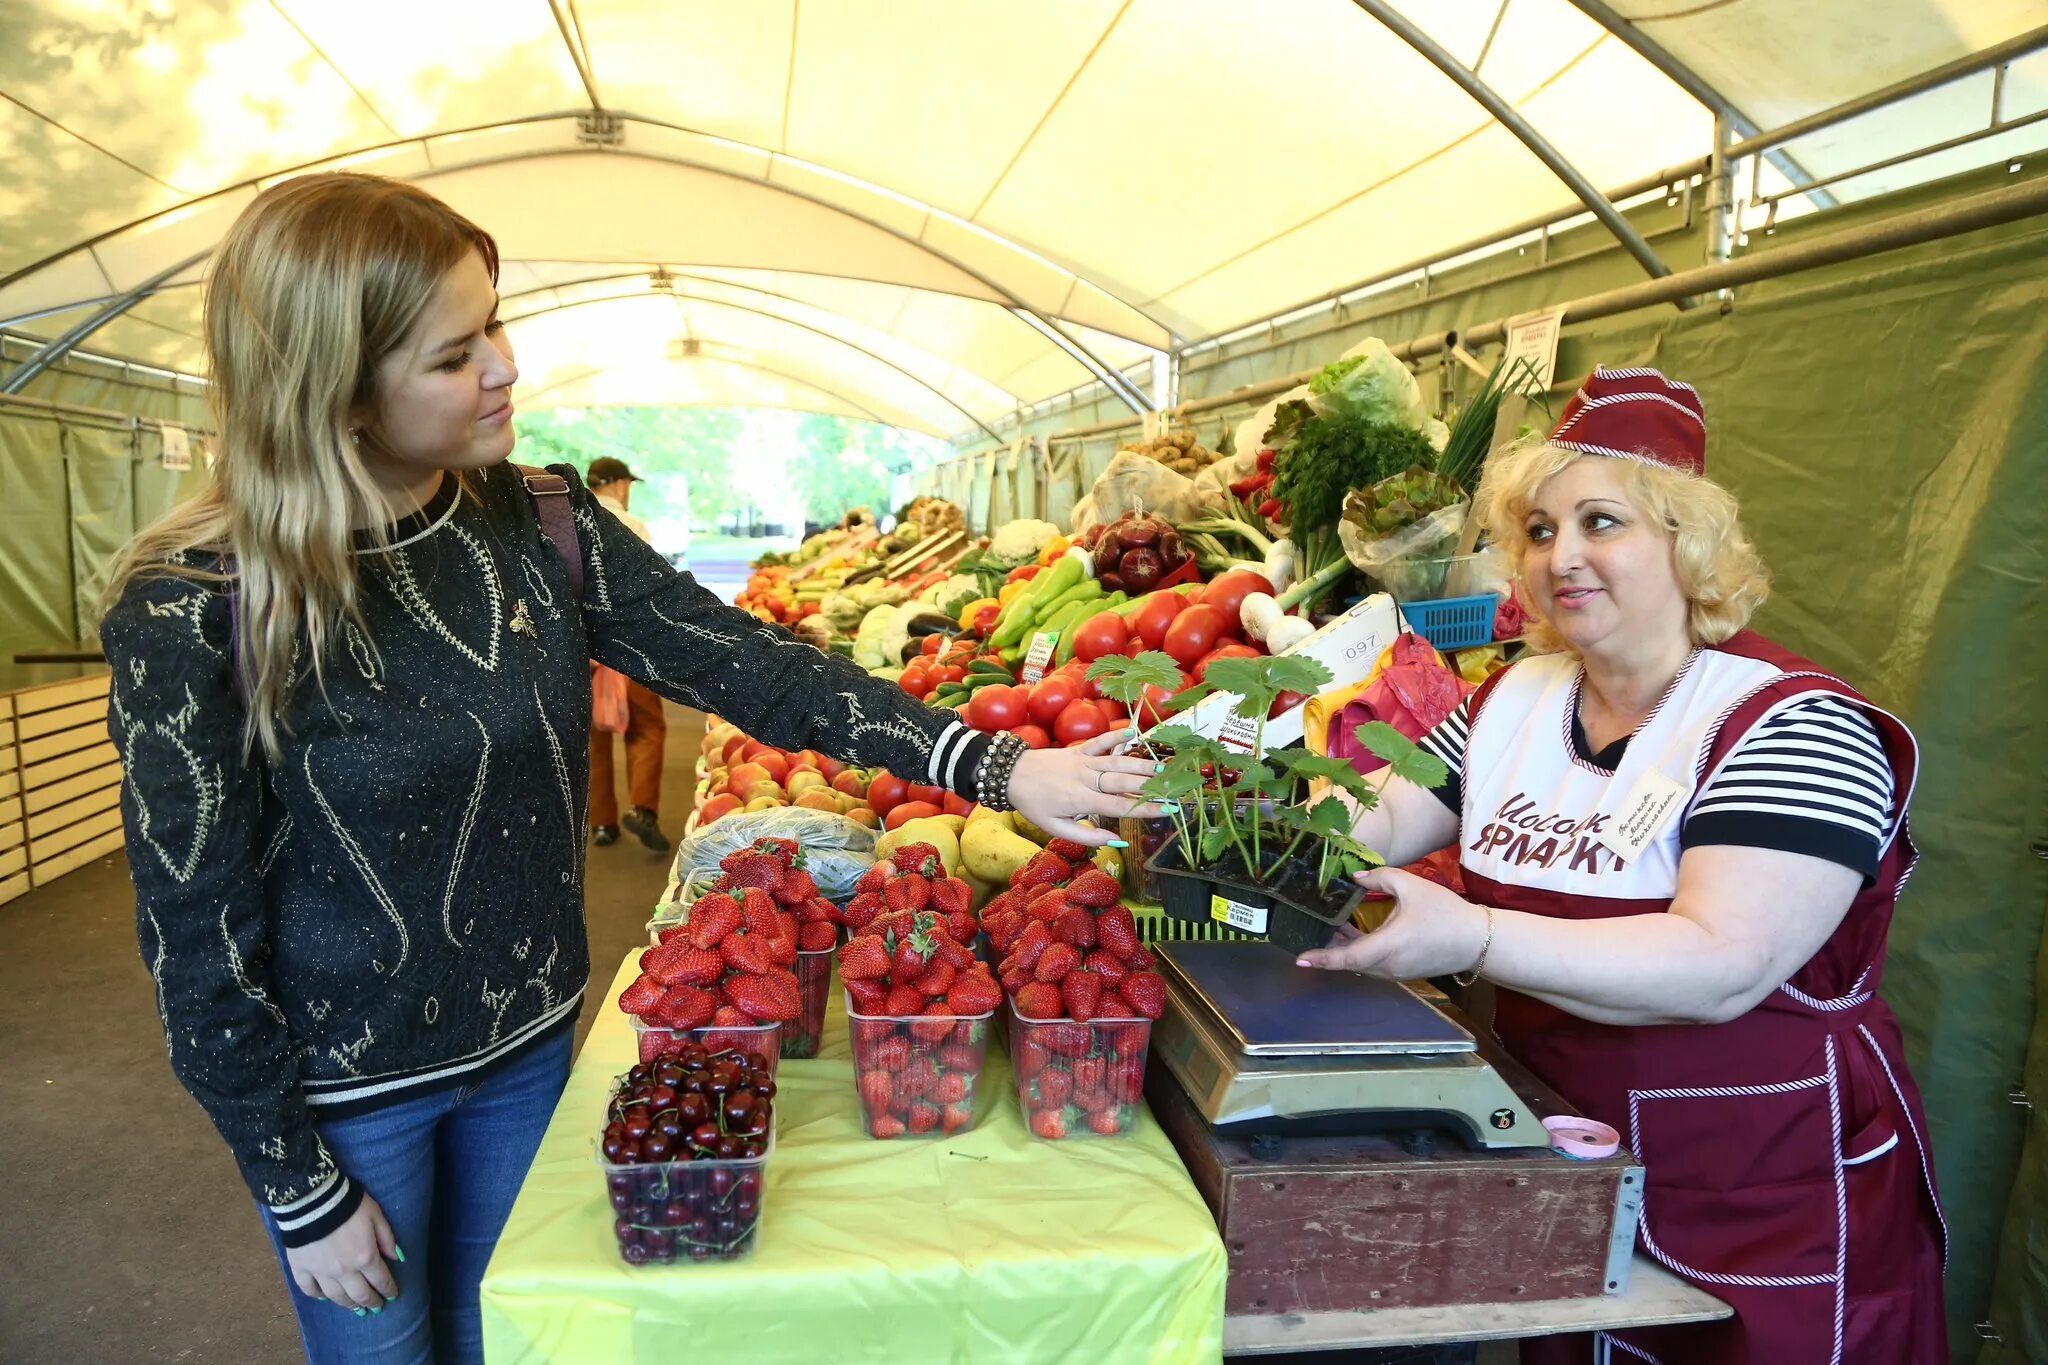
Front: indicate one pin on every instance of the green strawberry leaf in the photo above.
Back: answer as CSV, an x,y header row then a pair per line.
x,y
1402,754
1330,817
1125,680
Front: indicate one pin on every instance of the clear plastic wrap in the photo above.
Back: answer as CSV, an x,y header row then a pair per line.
x,y
837,850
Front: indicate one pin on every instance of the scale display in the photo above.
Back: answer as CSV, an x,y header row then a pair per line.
x,y
1272,1008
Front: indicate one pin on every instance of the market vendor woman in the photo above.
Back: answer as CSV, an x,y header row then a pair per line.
x,y
1682,846
350,689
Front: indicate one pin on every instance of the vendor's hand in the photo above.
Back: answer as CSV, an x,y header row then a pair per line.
x,y
1432,931
1055,788
347,1266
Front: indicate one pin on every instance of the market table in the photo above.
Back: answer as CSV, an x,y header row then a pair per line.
x,y
988,1246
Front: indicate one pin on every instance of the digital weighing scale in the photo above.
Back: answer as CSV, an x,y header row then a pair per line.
x,y
1263,1047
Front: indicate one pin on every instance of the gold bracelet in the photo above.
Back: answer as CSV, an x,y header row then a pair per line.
x,y
1468,978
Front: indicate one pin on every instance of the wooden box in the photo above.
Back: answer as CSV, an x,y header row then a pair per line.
x,y
1348,1223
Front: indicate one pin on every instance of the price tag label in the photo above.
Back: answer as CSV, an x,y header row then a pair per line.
x,y
1040,654
1252,919
177,447
1239,732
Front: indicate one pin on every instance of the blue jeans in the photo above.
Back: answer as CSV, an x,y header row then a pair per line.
x,y
445,1169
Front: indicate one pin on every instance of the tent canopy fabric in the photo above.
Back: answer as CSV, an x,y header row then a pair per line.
x,y
927,212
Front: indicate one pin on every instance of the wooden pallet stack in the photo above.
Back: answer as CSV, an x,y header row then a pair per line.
x,y
60,783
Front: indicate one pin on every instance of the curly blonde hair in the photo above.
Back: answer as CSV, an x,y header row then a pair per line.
x,y
1719,571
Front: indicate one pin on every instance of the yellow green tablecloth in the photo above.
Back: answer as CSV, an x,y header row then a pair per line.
x,y
987,1246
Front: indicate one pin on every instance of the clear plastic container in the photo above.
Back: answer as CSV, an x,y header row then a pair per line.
x,y
763,1040
1079,1080
667,1211
917,1075
677,911
814,982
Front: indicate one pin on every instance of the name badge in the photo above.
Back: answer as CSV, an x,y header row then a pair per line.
x,y
1642,815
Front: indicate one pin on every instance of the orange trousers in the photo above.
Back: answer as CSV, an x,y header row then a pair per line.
x,y
646,743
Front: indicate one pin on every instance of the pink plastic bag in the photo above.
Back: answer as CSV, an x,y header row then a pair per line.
x,y
1413,693
607,699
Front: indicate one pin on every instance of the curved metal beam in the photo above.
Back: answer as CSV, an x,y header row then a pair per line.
x,y
1511,118
58,347
1692,83
773,317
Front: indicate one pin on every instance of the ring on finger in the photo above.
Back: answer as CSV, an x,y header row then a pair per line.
x,y
1100,773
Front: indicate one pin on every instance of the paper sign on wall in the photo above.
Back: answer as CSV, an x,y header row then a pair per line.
x,y
177,447
1533,337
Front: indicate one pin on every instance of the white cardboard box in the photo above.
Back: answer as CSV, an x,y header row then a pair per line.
x,y
1347,646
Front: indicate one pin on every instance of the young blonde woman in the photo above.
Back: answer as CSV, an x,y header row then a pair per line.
x,y
1682,846
351,689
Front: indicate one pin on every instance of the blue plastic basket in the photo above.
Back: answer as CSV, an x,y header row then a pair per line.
x,y
1453,622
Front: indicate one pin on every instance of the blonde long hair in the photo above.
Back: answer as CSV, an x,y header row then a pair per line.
x,y
1719,571
318,280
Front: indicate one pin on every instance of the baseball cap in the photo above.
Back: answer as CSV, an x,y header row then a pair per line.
x,y
605,469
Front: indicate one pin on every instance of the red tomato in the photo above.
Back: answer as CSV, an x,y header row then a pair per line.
x,y
1085,688
996,707
916,679
1034,736
1228,592
1050,697
1080,721
1103,633
1223,651
1286,701
1117,712
1149,622
1193,633
956,805
946,673
886,793
1134,648
932,644
1153,708
931,796
910,810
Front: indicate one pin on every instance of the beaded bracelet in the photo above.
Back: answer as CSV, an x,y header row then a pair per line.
x,y
992,777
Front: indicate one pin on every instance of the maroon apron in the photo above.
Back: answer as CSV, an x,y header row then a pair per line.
x,y
1787,1170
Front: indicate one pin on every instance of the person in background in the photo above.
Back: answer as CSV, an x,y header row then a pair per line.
x,y
611,481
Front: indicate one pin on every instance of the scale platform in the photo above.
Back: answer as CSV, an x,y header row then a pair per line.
x,y
1263,1046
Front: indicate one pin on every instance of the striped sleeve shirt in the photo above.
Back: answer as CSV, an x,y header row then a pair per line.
x,y
1811,779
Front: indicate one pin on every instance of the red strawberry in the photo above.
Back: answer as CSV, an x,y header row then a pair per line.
x,y
909,892
875,878
1070,850
951,895
960,924
641,996
788,851
975,992
772,998
757,908
673,931
795,888
1046,903
904,1002
923,1117
934,1028
712,918
998,903
870,1033
891,1053
1067,1040
917,1078
1105,964
1108,1122
1075,926
875,1091
678,964
1127,1080
949,950
782,949
885,1126
919,858
1056,961
1055,1088
864,958
1039,1000
862,909
1033,942
950,1088
651,1045
1093,888
750,868
1089,1075
958,1116
686,1007
1013,978
1142,960
867,997
1117,931
1050,1124
819,936
746,953
1081,992
1044,869
1145,992
937,980
962,1059
1032,1057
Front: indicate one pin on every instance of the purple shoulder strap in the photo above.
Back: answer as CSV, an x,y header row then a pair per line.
x,y
550,494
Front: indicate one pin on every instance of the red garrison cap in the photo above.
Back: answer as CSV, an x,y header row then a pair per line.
x,y
1636,415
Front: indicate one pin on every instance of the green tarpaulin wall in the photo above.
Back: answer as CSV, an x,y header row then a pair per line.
x,y
1886,426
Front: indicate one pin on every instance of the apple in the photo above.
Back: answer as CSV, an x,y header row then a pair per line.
x,y
770,789
775,763
763,803
956,805
848,781
745,775
804,780
862,816
831,767
717,807
819,798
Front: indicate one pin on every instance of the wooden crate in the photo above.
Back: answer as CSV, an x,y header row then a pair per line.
x,y
1341,1224
60,782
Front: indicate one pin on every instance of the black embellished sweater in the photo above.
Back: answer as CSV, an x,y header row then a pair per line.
x,y
396,903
